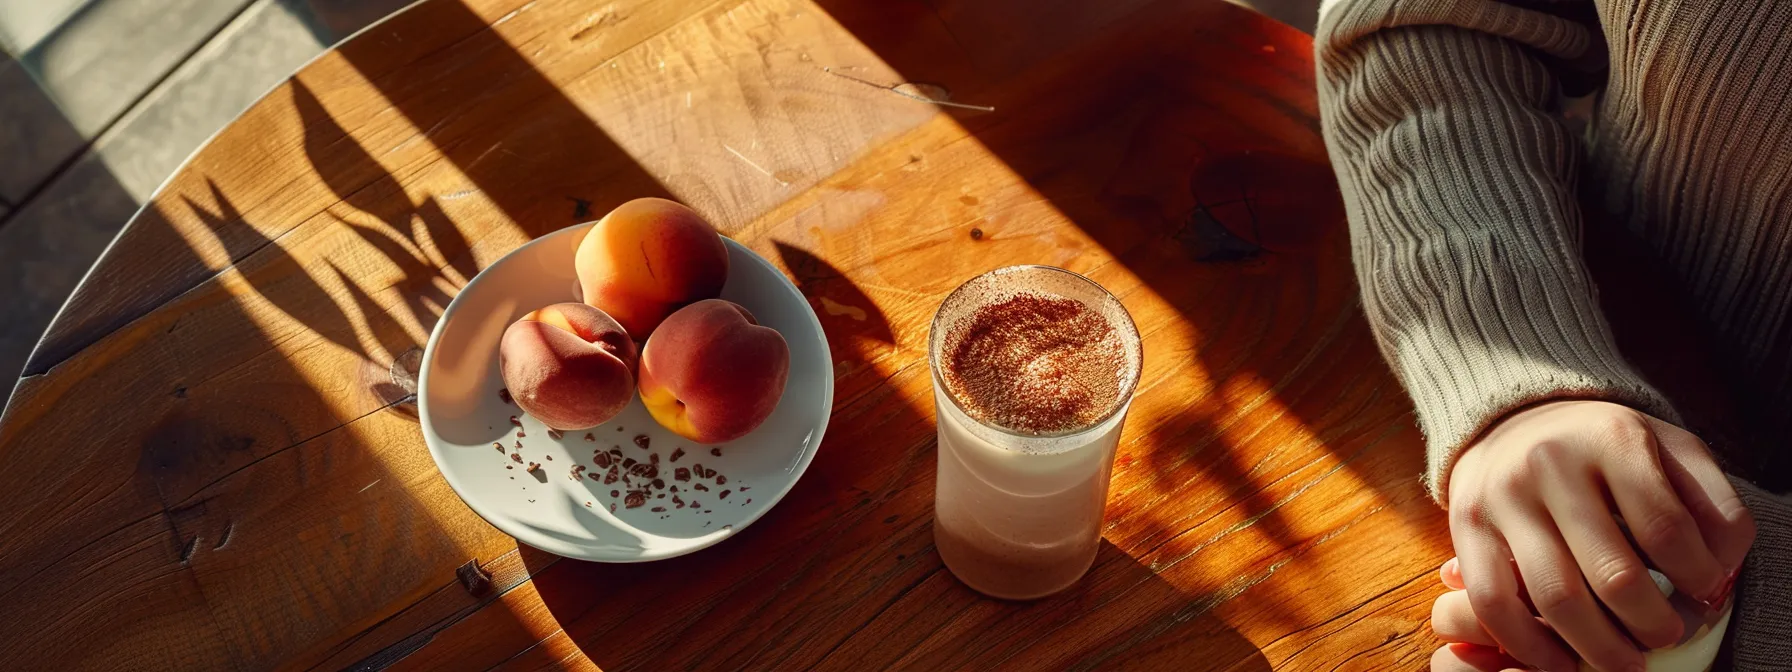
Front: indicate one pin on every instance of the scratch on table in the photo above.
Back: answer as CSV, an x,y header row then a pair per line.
x,y
369,485
459,194
897,89
755,166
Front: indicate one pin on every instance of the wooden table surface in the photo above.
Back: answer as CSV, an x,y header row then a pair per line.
x,y
209,466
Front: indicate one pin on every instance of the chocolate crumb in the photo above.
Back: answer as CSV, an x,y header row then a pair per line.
x,y
654,458
504,395
694,505
749,501
510,466
657,509
555,434
642,441
533,466
549,457
499,446
744,488
716,451
723,494
721,479
515,421
619,428
590,437
587,505
516,457
634,500
675,488
611,475
678,501
660,496
614,493
676,453
603,460
657,483
612,507
520,433
701,487
681,474
531,501
709,473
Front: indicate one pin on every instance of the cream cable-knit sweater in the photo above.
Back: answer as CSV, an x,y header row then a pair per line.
x,y
1467,193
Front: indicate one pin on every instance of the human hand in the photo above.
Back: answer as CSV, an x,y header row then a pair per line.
x,y
1531,515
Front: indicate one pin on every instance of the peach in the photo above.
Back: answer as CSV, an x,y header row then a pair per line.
x,y
711,373
569,365
647,258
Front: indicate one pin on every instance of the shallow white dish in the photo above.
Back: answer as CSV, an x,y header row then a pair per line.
x,y
463,414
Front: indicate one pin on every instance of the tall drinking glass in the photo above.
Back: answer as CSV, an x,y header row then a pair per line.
x,y
1033,370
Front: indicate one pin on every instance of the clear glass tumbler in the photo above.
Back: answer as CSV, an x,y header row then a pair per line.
x,y
1018,511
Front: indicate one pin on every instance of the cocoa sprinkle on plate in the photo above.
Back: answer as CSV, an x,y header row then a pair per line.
x,y
634,500
658,509
614,493
642,441
723,494
716,451
681,474
516,457
701,487
603,460
515,421
676,453
504,395
590,437
499,446
612,475
533,466
720,479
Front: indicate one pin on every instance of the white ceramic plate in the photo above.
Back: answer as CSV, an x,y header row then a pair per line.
x,y
463,414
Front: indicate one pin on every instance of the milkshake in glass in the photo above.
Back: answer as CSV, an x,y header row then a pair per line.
x,y
1033,370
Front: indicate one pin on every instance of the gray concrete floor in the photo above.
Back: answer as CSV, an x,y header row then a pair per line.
x,y
100,100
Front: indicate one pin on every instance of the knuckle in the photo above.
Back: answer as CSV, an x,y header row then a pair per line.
x,y
1736,516
1486,602
1660,530
1625,427
1620,576
1556,595
1548,455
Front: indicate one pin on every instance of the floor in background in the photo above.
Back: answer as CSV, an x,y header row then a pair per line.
x,y
101,100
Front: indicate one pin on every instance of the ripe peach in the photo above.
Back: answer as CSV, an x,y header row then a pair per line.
x,y
647,258
569,365
711,373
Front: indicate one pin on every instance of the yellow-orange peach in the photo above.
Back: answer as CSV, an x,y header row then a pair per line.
x,y
569,365
711,373
647,258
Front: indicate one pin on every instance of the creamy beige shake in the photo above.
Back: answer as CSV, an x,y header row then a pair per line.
x,y
1033,370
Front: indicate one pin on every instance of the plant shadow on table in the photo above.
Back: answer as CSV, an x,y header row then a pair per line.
x,y
842,574
1179,185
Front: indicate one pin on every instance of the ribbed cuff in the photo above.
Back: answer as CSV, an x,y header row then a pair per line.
x,y
1462,383
1763,615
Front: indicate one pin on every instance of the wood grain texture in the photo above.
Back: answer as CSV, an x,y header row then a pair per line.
x,y
206,450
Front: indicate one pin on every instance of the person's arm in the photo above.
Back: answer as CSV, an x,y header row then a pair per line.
x,y
1460,189
1459,185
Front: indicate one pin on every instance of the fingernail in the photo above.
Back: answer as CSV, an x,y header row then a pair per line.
x,y
1717,597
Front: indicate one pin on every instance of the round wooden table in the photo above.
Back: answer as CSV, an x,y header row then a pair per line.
x,y
210,464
